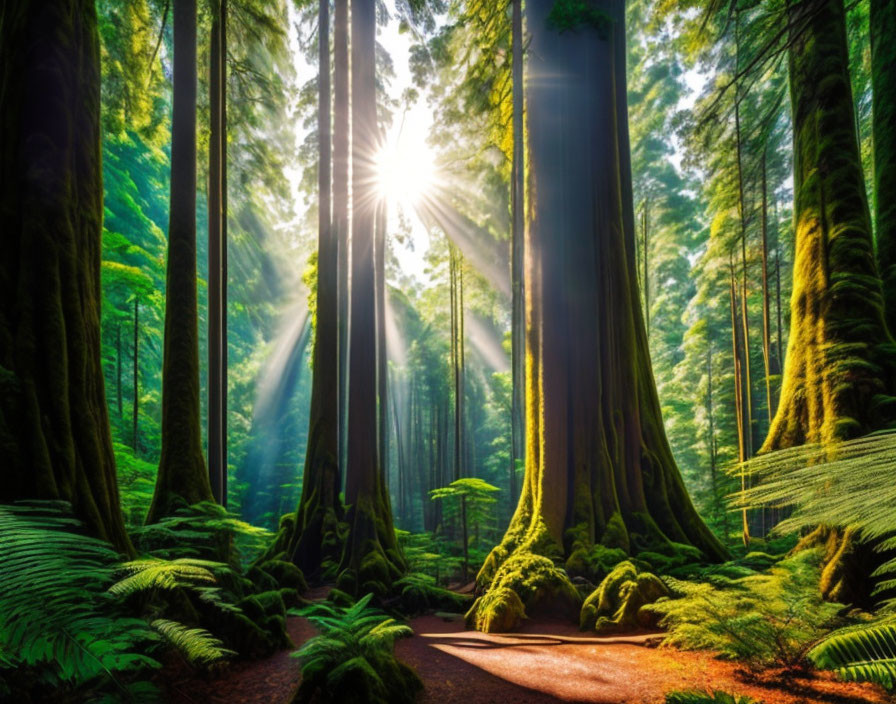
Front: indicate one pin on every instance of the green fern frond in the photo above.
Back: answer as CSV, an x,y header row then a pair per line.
x,y
865,652
154,573
197,645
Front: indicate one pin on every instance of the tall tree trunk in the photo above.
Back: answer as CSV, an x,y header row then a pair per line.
x,y
54,424
598,464
371,560
136,409
737,356
118,371
313,538
837,367
382,360
645,259
217,467
182,476
883,78
518,223
767,357
340,206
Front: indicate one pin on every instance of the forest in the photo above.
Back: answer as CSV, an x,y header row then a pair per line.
x,y
457,351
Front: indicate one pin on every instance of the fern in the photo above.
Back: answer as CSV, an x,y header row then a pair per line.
x,y
865,652
154,573
352,659
845,484
57,619
198,646
761,619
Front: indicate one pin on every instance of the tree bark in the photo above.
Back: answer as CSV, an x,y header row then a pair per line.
x,y
135,418
598,465
883,78
371,560
217,467
182,477
55,439
832,378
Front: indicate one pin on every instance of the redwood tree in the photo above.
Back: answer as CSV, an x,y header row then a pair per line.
x,y
55,441
182,474
371,560
598,466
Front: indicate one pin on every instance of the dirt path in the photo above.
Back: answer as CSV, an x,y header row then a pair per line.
x,y
545,662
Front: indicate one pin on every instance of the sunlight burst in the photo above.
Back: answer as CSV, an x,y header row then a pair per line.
x,y
405,172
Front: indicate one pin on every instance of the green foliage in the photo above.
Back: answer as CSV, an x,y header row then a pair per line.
x,y
570,15
206,531
352,660
713,697
419,592
594,563
60,630
845,485
198,646
865,652
763,619
618,603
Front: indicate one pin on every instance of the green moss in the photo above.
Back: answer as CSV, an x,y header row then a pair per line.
x,y
285,574
537,585
261,579
419,593
616,605
595,563
615,534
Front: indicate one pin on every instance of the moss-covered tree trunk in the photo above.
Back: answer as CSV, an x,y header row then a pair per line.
x,y
883,77
371,560
55,441
838,371
833,377
182,474
598,466
314,540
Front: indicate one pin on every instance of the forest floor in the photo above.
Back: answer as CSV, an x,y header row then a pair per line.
x,y
544,662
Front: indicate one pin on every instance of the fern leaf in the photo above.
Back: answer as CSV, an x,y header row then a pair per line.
x,y
197,645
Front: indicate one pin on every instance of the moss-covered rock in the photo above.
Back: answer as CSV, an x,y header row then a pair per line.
x,y
419,593
594,563
616,605
261,579
285,574
536,585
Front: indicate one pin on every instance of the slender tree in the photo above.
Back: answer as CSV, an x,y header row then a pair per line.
x,y
217,280
182,471
883,77
312,538
371,560
340,204
598,466
55,441
518,222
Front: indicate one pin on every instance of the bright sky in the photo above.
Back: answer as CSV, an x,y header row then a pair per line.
x,y
407,162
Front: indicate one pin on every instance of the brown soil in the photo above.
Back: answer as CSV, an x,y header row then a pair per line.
x,y
544,662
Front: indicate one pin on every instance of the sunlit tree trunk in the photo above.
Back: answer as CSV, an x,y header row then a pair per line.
x,y
771,363
55,441
371,560
382,361
838,374
883,77
518,321
598,466
182,476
